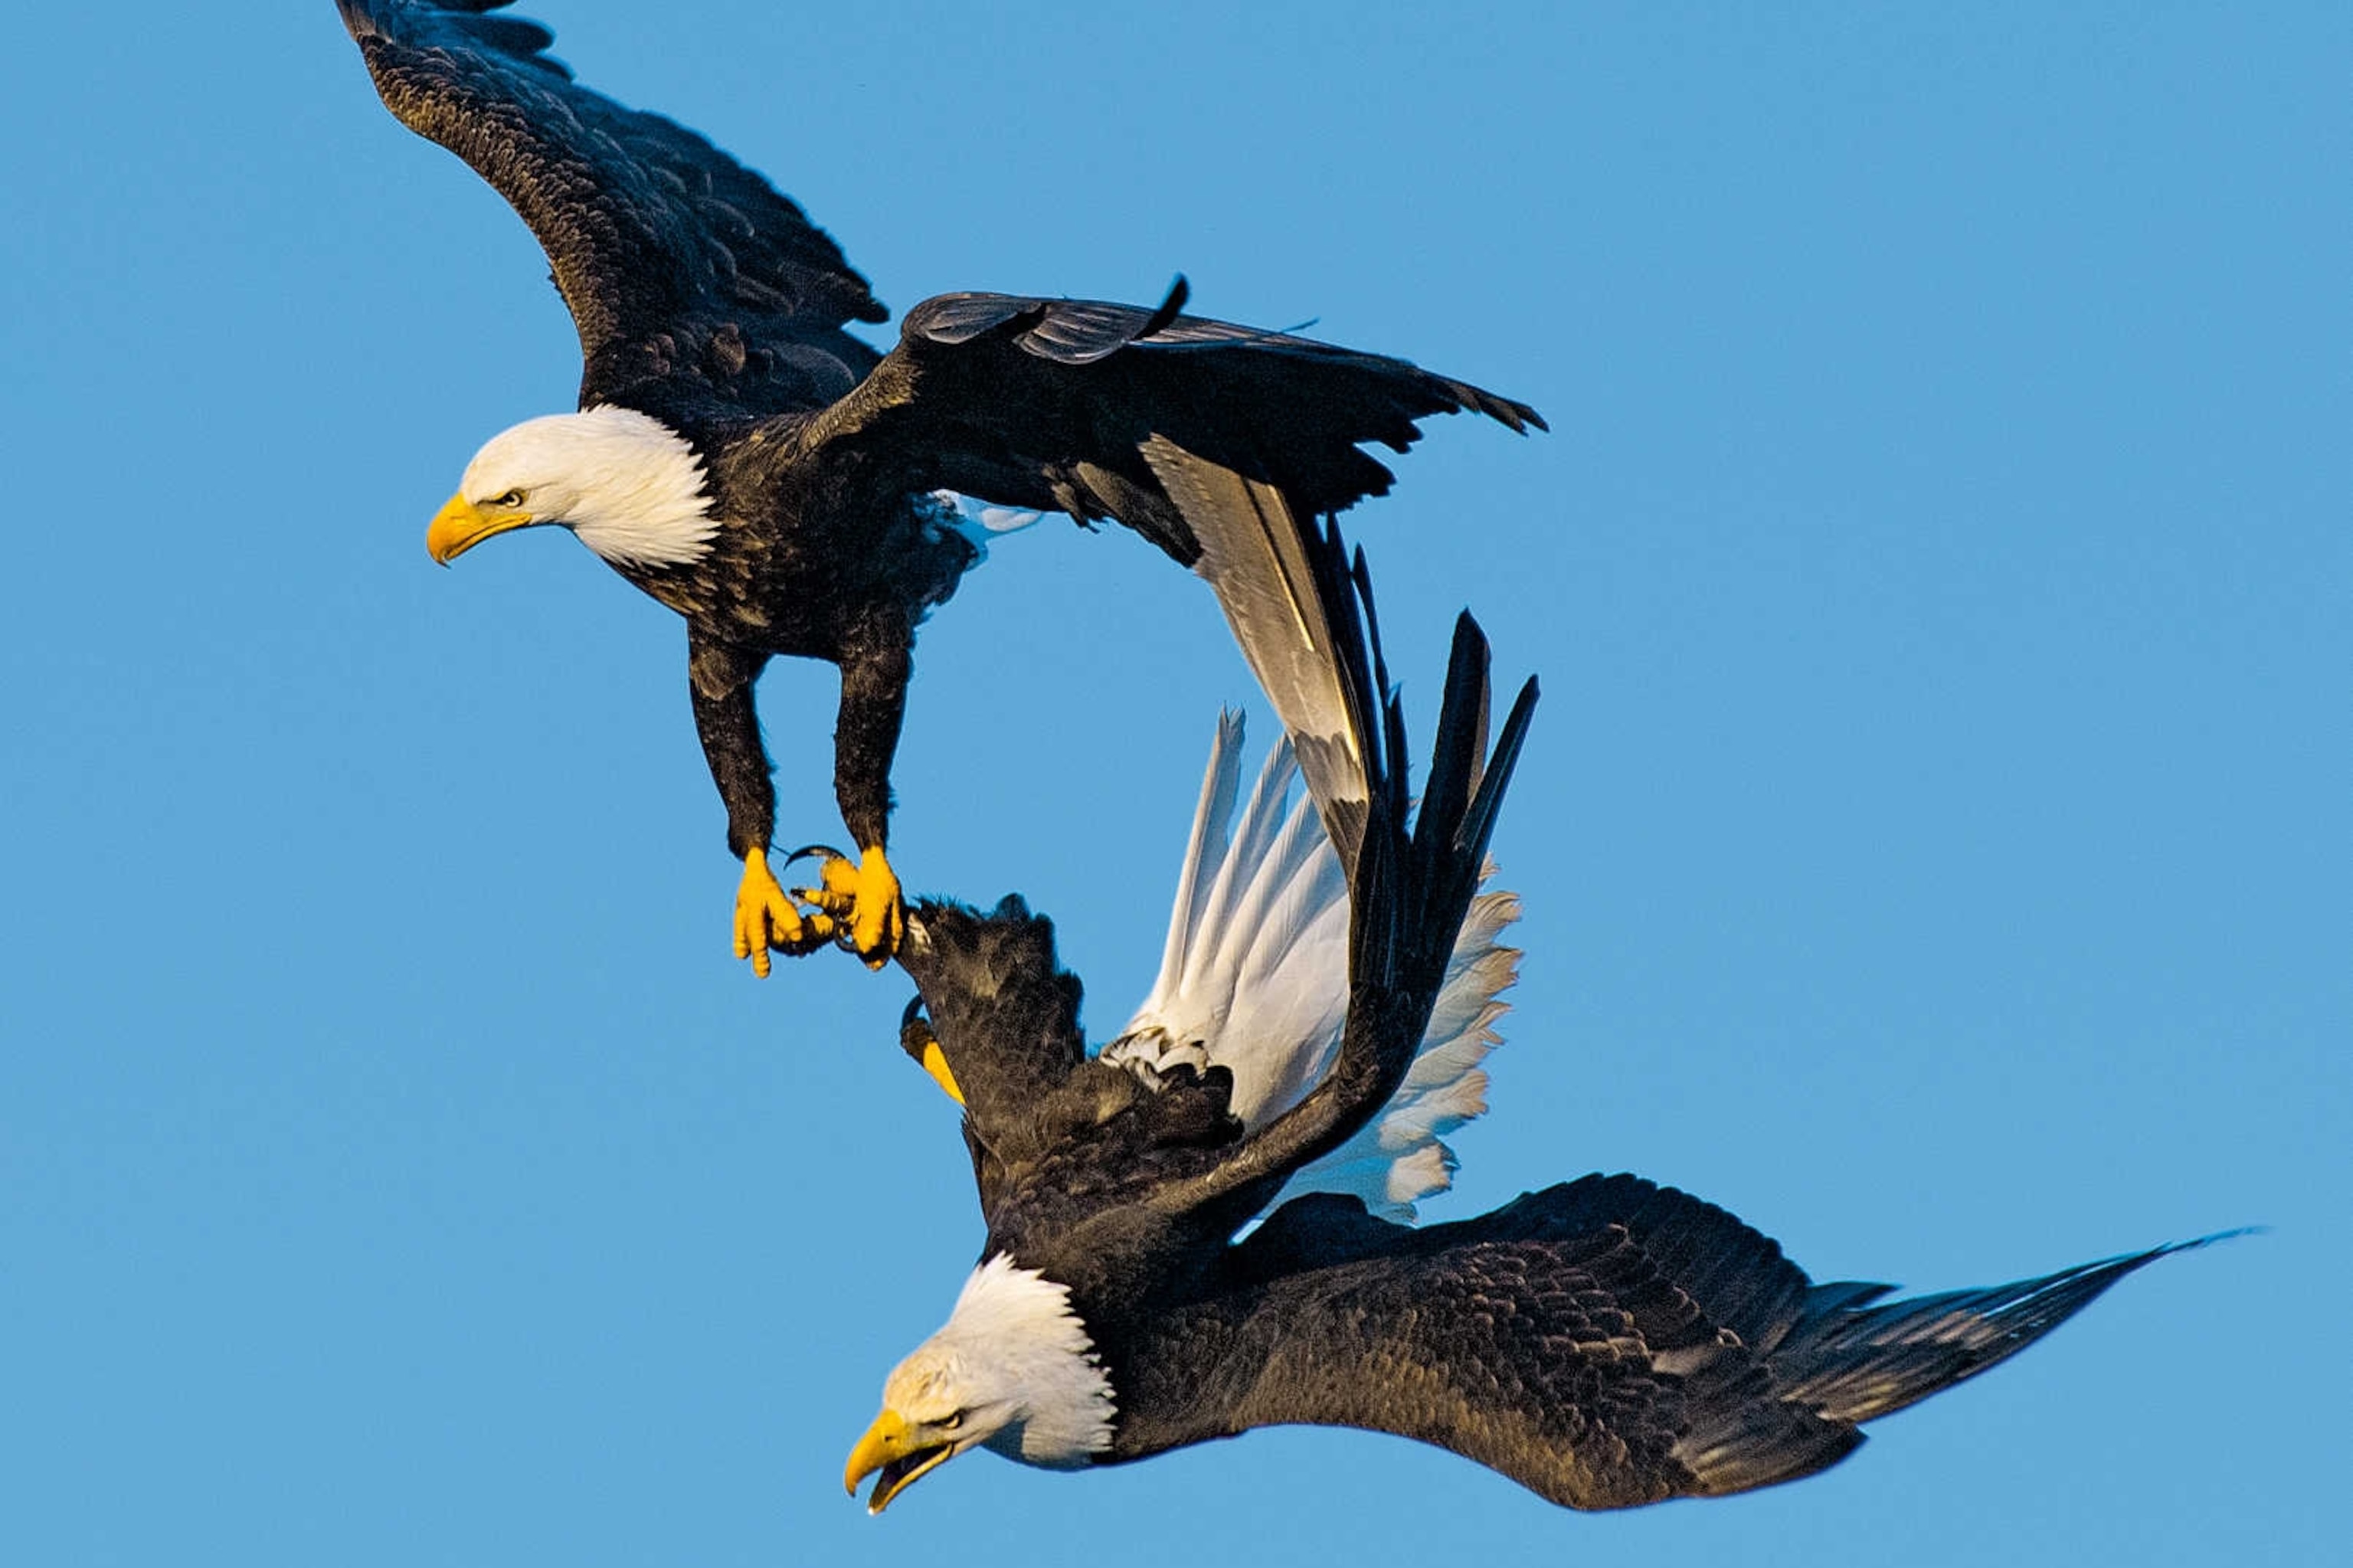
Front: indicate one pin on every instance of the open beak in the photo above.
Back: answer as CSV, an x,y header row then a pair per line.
x,y
461,525
889,1446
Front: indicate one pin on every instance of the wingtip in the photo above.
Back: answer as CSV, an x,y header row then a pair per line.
x,y
1468,634
2234,1234
1509,412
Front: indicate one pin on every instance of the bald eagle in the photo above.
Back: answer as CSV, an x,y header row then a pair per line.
x,y
1606,1342
741,457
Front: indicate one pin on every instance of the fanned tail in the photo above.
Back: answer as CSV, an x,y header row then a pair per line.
x,y
1403,1158
1251,974
1254,978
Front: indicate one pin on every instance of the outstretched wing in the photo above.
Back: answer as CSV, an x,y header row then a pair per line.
x,y
1604,1343
1219,443
1255,979
1050,405
693,283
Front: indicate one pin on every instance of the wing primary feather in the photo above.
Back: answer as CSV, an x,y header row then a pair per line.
x,y
1479,821
1461,721
1254,554
1855,1362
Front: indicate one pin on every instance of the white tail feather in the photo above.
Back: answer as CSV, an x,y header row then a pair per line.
x,y
1255,979
1216,809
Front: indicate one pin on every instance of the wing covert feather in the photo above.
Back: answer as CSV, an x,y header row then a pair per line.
x,y
678,263
1552,1339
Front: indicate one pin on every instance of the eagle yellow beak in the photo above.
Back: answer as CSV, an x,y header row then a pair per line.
x,y
891,1445
461,525
935,1063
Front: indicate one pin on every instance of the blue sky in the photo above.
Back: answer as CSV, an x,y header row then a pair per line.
x,y
1934,834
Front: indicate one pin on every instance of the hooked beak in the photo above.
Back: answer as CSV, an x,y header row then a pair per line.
x,y
935,1063
461,525
889,1446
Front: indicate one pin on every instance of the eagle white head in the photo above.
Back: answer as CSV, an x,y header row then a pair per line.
x,y
628,484
1012,1370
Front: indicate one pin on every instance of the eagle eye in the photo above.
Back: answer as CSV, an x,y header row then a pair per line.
x,y
512,499
951,1422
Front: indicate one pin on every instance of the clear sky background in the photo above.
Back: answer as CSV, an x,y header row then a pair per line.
x,y
1935,836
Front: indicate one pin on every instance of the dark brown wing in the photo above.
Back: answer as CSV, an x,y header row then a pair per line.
x,y
694,285
1053,405
1005,1015
1055,1140
1001,1007
1606,1343
1545,1340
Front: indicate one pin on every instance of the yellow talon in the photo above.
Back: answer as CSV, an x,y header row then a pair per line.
x,y
935,1063
766,919
862,904
836,893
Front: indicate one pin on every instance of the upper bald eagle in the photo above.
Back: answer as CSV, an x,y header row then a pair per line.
x,y
742,458
1606,1342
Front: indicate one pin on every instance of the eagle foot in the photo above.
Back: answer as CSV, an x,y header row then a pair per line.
x,y
766,918
861,906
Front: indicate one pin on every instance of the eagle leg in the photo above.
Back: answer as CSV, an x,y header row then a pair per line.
x,y
861,903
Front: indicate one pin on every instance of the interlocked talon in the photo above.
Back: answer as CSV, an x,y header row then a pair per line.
x,y
766,918
862,901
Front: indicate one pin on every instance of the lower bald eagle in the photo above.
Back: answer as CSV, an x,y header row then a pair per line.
x,y
742,458
1606,1342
